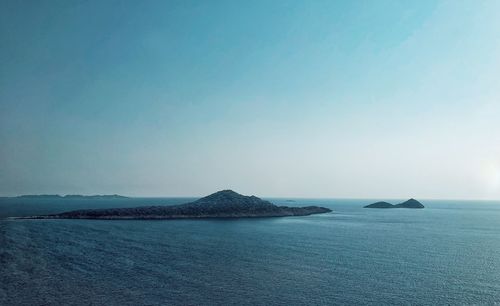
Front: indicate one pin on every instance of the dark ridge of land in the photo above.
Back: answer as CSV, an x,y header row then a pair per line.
x,y
222,204
39,196
71,196
411,203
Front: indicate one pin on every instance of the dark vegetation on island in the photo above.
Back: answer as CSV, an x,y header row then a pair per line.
x,y
222,204
411,203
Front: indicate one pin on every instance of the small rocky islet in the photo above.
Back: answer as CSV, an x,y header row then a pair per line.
x,y
411,203
222,204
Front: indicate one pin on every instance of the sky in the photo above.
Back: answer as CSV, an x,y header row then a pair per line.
x,y
315,99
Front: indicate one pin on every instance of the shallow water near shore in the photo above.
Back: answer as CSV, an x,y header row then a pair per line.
x,y
447,253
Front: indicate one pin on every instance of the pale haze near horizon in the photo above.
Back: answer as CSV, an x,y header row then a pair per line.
x,y
361,99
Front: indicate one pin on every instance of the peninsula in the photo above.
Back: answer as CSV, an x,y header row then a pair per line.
x,y
222,204
411,203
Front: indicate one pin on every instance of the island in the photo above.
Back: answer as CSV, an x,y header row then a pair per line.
x,y
222,204
411,203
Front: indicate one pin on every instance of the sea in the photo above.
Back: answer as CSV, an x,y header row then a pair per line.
x,y
445,254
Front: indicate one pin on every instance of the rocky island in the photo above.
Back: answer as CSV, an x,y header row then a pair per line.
x,y
411,203
222,204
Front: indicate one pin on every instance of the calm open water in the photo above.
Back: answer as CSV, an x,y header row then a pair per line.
x,y
447,253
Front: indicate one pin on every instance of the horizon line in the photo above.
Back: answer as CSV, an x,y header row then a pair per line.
x,y
265,197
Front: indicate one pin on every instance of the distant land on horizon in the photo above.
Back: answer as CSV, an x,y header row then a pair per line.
x,y
280,197
221,204
70,196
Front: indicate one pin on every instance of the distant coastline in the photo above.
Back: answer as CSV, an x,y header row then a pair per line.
x,y
70,196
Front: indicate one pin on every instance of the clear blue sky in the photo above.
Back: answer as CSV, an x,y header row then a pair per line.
x,y
384,99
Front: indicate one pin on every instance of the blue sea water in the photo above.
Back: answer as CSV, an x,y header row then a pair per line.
x,y
447,253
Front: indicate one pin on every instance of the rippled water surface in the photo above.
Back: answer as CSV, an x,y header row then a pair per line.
x,y
447,253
